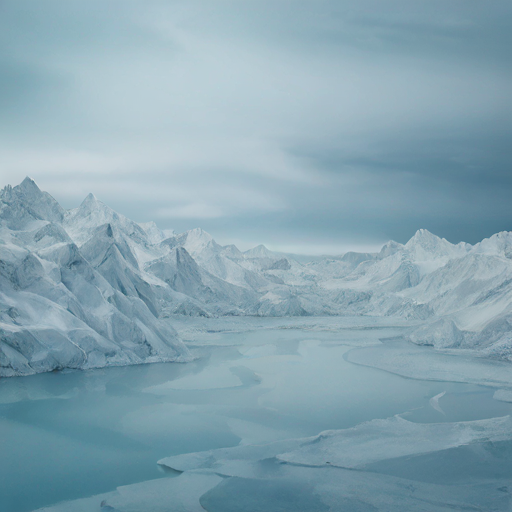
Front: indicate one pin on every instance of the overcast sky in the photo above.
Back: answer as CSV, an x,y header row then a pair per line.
x,y
309,126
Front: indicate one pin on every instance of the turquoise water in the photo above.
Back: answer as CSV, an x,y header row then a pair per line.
x,y
76,434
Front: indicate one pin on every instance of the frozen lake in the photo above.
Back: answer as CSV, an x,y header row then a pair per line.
x,y
72,435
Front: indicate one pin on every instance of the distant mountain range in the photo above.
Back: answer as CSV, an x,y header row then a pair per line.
x,y
88,287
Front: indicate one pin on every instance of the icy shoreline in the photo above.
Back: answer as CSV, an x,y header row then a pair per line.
x,y
424,363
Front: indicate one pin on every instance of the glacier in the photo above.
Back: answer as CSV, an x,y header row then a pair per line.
x,y
88,287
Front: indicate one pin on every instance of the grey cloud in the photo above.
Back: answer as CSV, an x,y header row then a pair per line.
x,y
455,183
459,28
298,123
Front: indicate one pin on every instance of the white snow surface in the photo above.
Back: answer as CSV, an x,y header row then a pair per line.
x,y
356,447
88,287
379,440
504,395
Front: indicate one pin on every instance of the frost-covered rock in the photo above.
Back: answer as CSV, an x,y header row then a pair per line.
x,y
154,233
25,204
440,334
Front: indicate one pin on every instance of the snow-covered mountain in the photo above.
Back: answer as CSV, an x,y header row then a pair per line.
x,y
89,287
71,292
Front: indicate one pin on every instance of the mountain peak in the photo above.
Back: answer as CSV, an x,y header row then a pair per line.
x,y
29,186
200,233
424,233
196,240
198,236
425,246
390,248
260,251
498,244
89,200
28,181
424,238
41,204
91,204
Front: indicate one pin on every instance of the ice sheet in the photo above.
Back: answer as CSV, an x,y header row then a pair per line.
x,y
426,364
258,482
179,494
207,459
504,395
356,447
263,486
305,489
393,437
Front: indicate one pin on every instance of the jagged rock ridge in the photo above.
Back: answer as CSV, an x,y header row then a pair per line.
x,y
89,287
